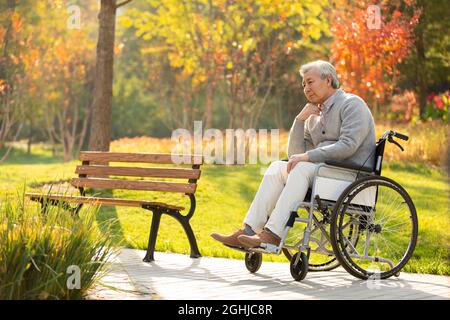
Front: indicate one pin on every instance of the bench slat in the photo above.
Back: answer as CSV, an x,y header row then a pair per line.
x,y
98,156
134,185
99,200
139,172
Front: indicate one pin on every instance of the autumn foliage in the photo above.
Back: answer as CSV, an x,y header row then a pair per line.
x,y
369,44
228,63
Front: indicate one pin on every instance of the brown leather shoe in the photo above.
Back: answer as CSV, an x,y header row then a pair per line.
x,y
231,239
265,236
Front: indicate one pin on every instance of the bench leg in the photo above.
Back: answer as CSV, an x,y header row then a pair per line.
x,y
63,204
77,209
44,207
152,238
195,253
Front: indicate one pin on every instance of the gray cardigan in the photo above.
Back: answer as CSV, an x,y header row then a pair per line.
x,y
346,132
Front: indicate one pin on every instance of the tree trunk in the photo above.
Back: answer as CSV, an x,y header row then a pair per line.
x,y
422,75
30,138
421,66
68,151
209,103
100,133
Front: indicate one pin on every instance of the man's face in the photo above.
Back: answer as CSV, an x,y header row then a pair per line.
x,y
315,88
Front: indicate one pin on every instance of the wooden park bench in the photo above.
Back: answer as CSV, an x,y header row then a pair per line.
x,y
94,172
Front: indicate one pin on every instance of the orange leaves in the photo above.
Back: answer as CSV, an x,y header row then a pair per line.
x,y
118,48
2,34
16,22
288,46
3,87
368,53
397,14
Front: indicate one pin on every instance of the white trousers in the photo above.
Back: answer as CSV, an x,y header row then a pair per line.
x,y
280,193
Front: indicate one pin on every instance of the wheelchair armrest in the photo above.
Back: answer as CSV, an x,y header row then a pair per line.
x,y
347,165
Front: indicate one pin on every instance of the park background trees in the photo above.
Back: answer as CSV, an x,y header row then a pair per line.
x,y
231,64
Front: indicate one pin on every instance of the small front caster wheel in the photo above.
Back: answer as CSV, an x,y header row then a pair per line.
x,y
253,261
299,267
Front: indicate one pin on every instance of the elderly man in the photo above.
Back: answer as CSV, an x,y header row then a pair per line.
x,y
334,125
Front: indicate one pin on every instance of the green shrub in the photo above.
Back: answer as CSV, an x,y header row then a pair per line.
x,y
36,251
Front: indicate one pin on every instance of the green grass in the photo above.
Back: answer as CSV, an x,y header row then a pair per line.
x,y
223,196
37,251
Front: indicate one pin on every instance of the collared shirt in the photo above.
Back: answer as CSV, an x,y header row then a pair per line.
x,y
330,101
326,106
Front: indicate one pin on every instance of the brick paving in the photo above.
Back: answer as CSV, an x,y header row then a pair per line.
x,y
178,277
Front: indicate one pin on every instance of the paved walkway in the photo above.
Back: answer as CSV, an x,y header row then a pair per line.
x,y
175,276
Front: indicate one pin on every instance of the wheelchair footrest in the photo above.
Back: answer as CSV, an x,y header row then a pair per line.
x,y
264,248
270,248
236,248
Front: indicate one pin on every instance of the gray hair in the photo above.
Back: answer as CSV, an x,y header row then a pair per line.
x,y
325,68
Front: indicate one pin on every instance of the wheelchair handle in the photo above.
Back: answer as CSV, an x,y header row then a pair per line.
x,y
391,133
389,136
396,143
400,135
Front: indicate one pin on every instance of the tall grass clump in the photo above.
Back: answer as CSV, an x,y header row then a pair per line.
x,y
37,249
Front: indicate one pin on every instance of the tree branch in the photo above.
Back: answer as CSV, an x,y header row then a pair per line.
x,y
11,144
122,3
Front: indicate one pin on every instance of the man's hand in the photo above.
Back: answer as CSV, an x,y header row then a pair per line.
x,y
296,158
308,110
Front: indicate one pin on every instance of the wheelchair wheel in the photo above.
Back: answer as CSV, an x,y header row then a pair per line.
x,y
253,261
386,219
299,268
328,264
318,261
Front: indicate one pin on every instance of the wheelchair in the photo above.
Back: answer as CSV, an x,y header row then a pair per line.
x,y
368,226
